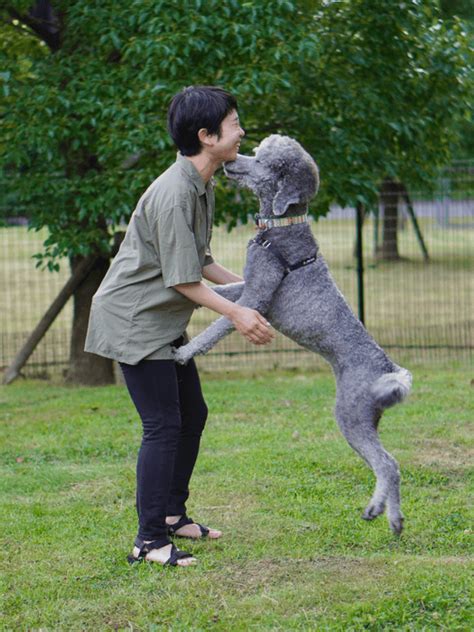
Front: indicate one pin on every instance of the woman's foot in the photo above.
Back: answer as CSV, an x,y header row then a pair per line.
x,y
192,530
162,555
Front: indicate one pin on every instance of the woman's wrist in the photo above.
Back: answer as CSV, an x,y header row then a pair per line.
x,y
231,311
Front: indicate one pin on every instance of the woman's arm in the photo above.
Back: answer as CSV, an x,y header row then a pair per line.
x,y
229,285
216,273
248,322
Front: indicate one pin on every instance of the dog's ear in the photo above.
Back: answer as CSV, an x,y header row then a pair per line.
x,y
287,194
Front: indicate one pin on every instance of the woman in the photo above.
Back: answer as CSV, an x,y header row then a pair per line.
x,y
141,310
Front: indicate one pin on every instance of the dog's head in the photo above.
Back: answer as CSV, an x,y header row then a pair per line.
x,y
281,174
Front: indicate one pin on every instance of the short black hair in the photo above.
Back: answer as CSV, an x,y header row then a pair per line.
x,y
197,107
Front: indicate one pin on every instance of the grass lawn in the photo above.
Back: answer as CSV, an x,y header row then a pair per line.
x,y
275,475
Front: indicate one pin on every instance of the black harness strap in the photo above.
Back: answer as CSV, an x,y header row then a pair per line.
x,y
287,267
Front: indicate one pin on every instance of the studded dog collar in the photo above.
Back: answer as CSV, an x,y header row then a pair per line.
x,y
273,222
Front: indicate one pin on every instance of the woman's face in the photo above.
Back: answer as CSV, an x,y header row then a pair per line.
x,y
226,147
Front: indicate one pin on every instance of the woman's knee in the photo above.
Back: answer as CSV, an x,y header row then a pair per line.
x,y
165,429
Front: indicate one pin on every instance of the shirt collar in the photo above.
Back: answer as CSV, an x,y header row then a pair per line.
x,y
192,173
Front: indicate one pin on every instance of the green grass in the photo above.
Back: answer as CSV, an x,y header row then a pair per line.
x,y
275,475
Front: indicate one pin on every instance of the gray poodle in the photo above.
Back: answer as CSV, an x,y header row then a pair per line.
x,y
287,280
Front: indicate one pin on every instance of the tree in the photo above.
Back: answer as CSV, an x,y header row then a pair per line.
x,y
400,97
452,10
371,89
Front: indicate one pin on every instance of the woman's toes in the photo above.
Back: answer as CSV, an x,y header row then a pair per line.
x,y
214,534
187,561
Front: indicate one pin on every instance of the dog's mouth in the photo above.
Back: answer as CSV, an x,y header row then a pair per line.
x,y
229,169
238,168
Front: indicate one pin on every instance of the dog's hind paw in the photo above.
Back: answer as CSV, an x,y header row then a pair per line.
x,y
396,524
373,510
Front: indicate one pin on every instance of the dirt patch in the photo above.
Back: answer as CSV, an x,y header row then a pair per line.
x,y
441,454
254,576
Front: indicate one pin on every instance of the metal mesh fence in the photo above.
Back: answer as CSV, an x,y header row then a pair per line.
x,y
418,309
27,292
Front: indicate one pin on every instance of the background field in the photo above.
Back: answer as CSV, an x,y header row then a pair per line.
x,y
422,311
275,475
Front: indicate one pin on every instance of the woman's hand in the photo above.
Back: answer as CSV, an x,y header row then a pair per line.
x,y
248,322
251,325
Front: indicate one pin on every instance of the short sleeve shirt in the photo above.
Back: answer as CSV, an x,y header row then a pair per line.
x,y
136,313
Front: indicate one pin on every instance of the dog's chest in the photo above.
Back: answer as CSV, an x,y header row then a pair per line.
x,y
292,246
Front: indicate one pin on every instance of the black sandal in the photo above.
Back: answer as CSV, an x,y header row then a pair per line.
x,y
182,522
146,547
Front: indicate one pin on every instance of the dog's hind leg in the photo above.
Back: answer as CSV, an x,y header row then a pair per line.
x,y
361,434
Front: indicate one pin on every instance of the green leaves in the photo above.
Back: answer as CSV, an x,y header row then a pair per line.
x,y
368,88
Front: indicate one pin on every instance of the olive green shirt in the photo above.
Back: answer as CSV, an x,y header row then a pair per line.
x,y
136,313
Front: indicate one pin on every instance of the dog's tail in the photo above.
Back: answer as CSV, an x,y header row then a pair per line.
x,y
391,388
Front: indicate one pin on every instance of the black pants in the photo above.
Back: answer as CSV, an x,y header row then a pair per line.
x,y
169,400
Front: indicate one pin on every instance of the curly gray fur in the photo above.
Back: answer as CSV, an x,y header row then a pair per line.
x,y
307,306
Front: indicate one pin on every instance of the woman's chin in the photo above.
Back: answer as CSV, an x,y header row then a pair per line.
x,y
229,156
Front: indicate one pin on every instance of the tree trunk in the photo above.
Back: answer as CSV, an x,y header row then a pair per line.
x,y
87,368
388,250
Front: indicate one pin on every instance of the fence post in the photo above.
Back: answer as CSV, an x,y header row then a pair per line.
x,y
360,261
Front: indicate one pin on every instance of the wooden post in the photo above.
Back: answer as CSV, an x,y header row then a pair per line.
x,y
416,226
389,194
49,317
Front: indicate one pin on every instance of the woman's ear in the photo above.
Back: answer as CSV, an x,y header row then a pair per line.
x,y
205,138
286,195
